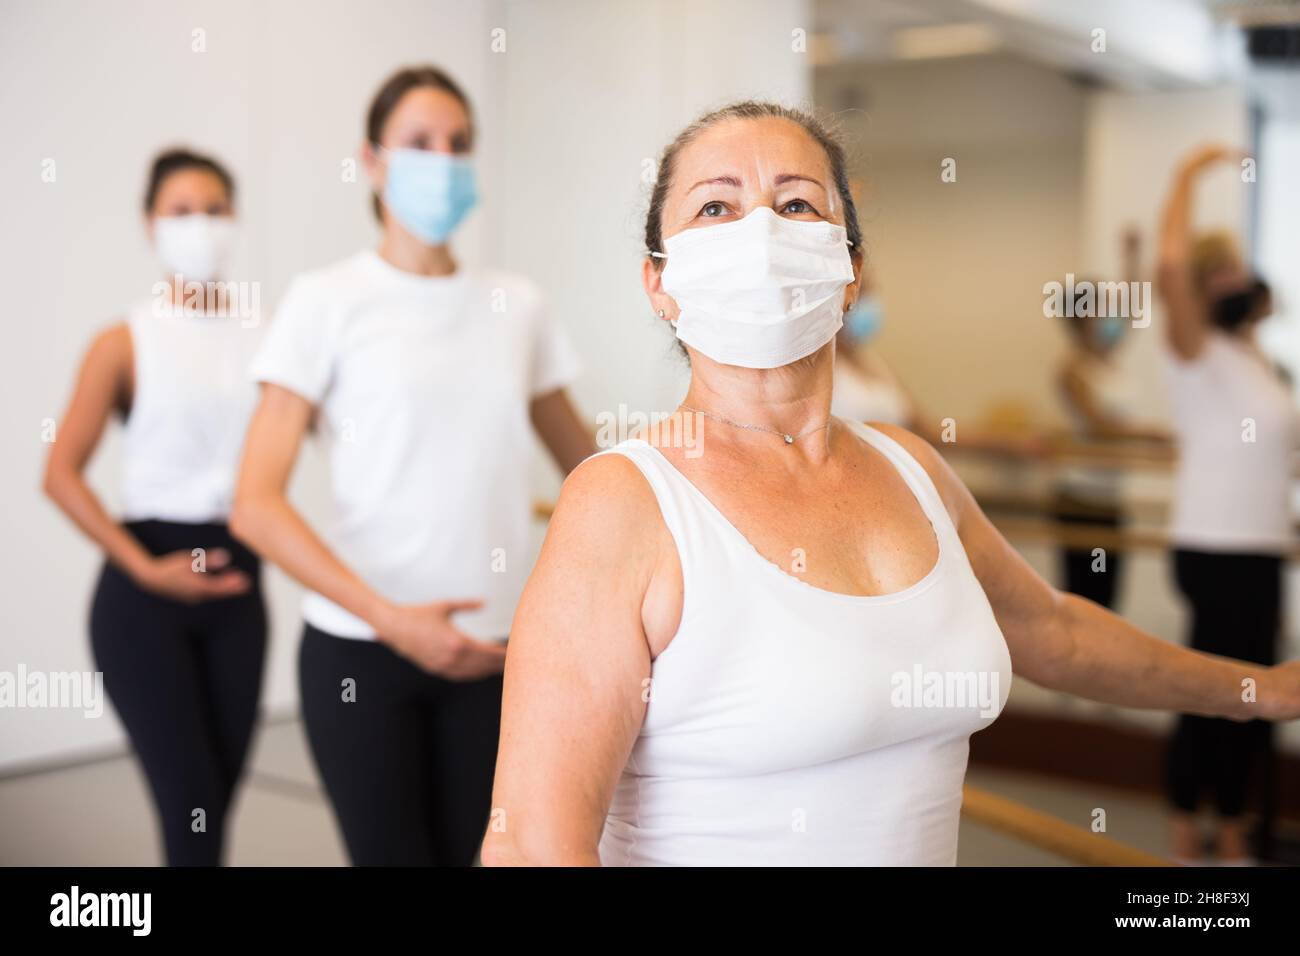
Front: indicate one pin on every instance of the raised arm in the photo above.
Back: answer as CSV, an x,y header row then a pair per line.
x,y
1186,321
1067,643
264,519
104,385
578,668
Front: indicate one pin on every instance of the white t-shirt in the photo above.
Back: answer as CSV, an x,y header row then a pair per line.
x,y
1237,426
422,386
1114,391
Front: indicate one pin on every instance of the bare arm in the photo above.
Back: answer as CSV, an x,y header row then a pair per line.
x,y
576,670
1186,323
268,523
1101,424
561,430
1067,643
103,385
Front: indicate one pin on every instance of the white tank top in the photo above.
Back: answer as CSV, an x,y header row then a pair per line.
x,y
790,725
1237,427
191,405
1114,391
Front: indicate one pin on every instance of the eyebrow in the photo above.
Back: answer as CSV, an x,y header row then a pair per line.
x,y
793,177
716,181
780,180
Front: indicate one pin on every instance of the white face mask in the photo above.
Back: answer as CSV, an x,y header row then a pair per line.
x,y
759,292
197,246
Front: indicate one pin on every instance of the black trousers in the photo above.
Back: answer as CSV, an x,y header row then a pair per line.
x,y
1076,564
185,679
407,757
1236,608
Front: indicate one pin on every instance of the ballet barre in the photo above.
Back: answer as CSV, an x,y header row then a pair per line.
x,y
1061,451
1042,830
1022,530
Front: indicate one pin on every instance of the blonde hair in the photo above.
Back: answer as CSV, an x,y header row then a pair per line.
x,y
1213,252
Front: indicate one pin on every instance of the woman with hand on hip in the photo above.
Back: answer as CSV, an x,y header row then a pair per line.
x,y
775,652
177,624
425,381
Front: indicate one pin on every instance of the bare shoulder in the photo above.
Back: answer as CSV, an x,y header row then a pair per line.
x,y
112,345
950,487
107,366
606,509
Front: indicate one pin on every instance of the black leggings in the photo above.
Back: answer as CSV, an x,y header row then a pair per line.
x,y
407,757
184,679
1077,574
1236,605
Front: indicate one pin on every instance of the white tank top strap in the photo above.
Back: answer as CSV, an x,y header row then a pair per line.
x,y
698,530
140,324
914,473
706,538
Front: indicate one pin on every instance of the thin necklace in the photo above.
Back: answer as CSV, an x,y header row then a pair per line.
x,y
789,439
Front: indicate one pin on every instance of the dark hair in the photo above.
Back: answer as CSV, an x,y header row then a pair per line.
x,y
390,94
827,138
1232,310
173,161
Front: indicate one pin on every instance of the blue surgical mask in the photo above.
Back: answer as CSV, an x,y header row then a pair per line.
x,y
864,319
1110,329
429,193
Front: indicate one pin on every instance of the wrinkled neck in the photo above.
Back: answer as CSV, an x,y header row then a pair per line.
x,y
792,399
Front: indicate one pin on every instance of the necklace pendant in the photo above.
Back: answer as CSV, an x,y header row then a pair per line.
x,y
789,439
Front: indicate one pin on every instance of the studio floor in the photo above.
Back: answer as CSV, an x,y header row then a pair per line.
x,y
97,814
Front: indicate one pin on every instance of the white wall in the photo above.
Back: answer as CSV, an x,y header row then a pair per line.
x,y
1279,233
584,93
1133,145
278,93
961,265
594,96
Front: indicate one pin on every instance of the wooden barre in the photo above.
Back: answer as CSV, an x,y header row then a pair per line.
x,y
1046,832
1085,538
1057,451
1081,536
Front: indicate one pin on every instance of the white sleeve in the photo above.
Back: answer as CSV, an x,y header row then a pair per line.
x,y
555,361
297,351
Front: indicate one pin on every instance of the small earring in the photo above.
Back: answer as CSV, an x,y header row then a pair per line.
x,y
661,313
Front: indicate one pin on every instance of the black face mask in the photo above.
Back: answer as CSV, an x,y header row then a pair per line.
x,y
1230,312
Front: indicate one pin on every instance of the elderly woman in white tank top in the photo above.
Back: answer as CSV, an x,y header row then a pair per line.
x,y
775,652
